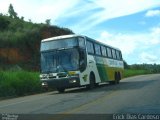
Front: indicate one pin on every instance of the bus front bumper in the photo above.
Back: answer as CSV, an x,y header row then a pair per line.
x,y
61,82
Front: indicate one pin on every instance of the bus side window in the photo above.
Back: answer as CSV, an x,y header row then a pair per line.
x,y
118,54
97,49
109,52
103,49
90,48
114,54
81,42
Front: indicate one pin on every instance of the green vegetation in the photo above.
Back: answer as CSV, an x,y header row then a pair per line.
x,y
19,83
140,69
20,53
15,83
131,72
20,40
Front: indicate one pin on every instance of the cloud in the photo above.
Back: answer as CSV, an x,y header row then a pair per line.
x,y
155,34
149,58
113,9
134,45
89,13
39,11
152,13
81,7
127,43
55,10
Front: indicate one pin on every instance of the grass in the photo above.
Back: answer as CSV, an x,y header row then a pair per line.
x,y
132,72
19,83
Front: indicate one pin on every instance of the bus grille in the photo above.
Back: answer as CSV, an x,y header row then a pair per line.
x,y
61,75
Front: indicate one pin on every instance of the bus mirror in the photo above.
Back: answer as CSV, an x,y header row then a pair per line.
x,y
82,62
82,67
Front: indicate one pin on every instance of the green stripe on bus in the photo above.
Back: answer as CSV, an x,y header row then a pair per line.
x,y
102,70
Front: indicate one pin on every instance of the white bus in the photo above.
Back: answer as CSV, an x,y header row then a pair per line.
x,y
74,60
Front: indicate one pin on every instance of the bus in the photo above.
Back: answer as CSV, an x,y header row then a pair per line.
x,y
70,61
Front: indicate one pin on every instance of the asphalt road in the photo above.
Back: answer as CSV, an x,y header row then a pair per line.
x,y
139,94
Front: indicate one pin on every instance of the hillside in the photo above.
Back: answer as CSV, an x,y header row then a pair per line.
x,y
20,42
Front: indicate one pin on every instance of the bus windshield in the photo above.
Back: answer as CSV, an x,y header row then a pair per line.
x,y
60,60
60,43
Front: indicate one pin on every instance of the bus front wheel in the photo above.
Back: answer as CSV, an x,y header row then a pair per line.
x,y
92,83
61,90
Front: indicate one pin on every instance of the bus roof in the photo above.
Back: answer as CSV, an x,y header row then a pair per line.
x,y
101,43
76,35
61,37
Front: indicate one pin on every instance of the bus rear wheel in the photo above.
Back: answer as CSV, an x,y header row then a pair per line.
x,y
117,79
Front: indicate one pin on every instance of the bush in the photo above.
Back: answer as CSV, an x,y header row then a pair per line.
x,y
132,72
19,83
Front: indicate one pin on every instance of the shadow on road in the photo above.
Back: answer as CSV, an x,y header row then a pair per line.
x,y
124,85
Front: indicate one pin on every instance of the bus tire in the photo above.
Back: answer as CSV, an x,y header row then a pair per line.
x,y
61,90
116,81
112,82
119,77
116,78
91,81
46,89
96,84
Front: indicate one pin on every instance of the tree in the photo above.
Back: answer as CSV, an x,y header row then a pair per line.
x,y
11,12
4,23
30,20
126,66
48,22
22,18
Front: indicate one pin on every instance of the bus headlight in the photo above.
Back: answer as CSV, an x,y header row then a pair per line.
x,y
43,76
73,81
44,84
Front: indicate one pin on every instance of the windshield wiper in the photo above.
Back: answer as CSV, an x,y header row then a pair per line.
x,y
50,70
64,69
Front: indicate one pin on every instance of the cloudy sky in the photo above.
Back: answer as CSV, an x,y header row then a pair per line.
x,y
131,25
